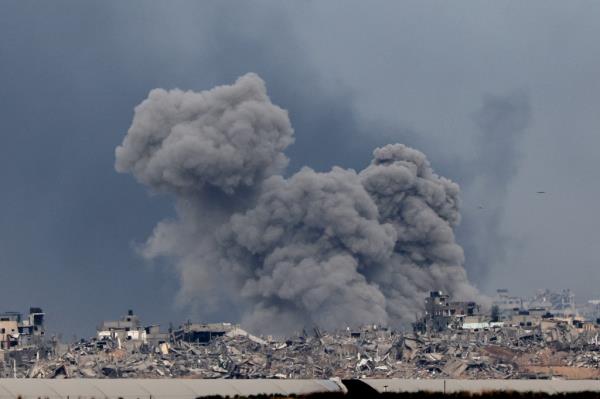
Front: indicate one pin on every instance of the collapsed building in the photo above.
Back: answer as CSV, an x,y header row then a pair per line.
x,y
544,308
451,340
543,302
553,349
202,333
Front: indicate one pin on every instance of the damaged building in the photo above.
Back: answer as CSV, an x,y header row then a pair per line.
x,y
554,348
441,313
451,340
557,303
202,333
130,328
543,302
17,331
506,304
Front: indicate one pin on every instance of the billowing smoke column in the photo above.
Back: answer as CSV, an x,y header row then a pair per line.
x,y
332,249
228,138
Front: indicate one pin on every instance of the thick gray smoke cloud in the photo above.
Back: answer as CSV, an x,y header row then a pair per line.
x,y
305,244
423,209
228,137
211,150
333,249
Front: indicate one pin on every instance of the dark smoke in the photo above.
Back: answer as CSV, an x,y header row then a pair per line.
x,y
334,248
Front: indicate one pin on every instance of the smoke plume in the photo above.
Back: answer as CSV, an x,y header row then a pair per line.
x,y
329,248
502,121
227,138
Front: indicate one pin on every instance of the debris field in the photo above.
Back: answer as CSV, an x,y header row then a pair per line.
x,y
500,353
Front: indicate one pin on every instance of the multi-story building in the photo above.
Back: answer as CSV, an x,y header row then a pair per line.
x,y
16,331
507,305
440,312
130,328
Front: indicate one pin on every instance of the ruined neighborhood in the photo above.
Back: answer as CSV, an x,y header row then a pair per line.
x,y
546,336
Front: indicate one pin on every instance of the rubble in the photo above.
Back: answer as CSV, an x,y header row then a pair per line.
x,y
501,353
451,340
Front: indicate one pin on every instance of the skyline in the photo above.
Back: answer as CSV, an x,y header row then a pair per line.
x,y
442,82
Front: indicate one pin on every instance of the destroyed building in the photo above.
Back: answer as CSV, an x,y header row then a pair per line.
x,y
130,328
542,303
507,304
557,303
202,333
456,341
441,313
511,311
554,348
16,331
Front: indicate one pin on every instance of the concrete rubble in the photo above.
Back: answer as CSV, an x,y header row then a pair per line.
x,y
552,352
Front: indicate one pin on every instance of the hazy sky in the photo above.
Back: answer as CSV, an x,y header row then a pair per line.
x,y
503,97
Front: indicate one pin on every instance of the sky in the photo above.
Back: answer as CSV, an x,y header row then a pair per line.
x,y
503,97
